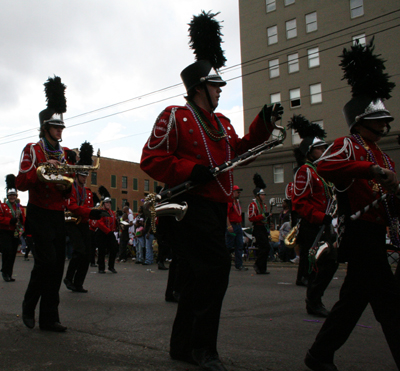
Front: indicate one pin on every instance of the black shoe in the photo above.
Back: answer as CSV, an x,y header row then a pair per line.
x,y
258,271
144,263
112,270
79,289
93,265
162,267
7,278
102,272
184,357
316,309
54,327
317,365
138,262
208,360
28,319
69,284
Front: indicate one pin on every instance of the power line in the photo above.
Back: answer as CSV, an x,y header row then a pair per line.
x,y
255,60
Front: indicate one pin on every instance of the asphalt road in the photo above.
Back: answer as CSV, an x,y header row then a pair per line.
x,y
123,323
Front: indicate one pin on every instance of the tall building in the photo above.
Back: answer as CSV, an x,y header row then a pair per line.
x,y
290,54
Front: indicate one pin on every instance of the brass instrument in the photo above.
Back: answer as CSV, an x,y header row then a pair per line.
x,y
50,174
71,218
291,237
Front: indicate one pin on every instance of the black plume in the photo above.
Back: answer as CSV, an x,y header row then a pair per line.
x,y
71,156
364,72
96,199
103,192
306,128
55,94
258,181
205,39
10,181
85,154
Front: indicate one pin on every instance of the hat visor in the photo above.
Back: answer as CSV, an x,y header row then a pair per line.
x,y
379,116
216,80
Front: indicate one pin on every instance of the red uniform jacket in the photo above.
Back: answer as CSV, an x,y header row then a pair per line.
x,y
309,198
6,215
256,216
80,207
92,225
108,224
41,194
234,212
347,167
178,143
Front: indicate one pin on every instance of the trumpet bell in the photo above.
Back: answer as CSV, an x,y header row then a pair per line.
x,y
172,209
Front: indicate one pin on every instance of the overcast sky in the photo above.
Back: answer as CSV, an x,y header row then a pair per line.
x,y
106,52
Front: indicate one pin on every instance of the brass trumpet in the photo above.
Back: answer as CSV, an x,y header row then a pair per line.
x,y
71,218
51,174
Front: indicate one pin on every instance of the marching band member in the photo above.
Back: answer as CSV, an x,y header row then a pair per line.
x,y
362,173
184,144
45,212
12,220
312,197
259,216
105,234
80,204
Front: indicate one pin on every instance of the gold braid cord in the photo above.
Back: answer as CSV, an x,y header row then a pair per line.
x,y
151,200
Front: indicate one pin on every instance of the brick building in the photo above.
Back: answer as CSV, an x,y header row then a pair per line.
x,y
124,180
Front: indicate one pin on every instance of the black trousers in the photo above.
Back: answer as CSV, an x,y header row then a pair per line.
x,y
370,280
321,276
262,240
204,265
79,264
9,246
93,246
106,243
48,233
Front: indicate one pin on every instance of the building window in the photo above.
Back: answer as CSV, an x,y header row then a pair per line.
x,y
289,2
124,200
155,186
135,206
272,33
360,39
135,184
275,98
93,178
315,93
313,57
273,68
278,174
293,62
356,8
113,204
146,185
291,29
320,123
271,5
113,181
294,95
311,22
124,182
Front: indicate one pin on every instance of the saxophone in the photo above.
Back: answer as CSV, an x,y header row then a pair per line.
x,y
62,173
291,237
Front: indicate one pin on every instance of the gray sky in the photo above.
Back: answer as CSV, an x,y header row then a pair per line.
x,y
105,52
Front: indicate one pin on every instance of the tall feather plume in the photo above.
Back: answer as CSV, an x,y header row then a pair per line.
x,y
85,154
306,128
364,71
104,192
55,94
258,181
71,156
10,181
205,39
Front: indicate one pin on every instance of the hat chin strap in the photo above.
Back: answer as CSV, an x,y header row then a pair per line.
x,y
376,132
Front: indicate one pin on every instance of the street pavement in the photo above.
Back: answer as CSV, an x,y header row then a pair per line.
x,y
123,323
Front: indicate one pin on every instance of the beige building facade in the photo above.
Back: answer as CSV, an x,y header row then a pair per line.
x,y
290,54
